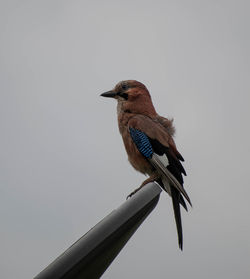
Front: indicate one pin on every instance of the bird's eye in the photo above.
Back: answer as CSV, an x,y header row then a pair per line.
x,y
124,86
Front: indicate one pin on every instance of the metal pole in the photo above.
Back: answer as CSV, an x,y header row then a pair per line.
x,y
92,254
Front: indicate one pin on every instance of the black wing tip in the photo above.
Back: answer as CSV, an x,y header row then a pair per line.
x,y
180,157
187,197
190,203
182,202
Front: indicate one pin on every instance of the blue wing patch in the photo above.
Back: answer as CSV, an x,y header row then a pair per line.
x,y
142,142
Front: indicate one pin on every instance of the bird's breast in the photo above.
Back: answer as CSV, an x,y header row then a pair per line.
x,y
136,159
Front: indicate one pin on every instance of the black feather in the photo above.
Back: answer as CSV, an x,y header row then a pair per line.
x,y
160,149
176,168
174,161
177,214
183,203
180,157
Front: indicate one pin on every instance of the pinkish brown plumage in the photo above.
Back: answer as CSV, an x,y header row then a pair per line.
x,y
148,140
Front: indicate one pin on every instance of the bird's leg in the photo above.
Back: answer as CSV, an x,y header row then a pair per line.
x,y
153,177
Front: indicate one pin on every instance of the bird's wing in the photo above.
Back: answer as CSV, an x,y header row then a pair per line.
x,y
168,125
155,144
151,128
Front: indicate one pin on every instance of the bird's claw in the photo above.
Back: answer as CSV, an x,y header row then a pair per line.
x,y
129,196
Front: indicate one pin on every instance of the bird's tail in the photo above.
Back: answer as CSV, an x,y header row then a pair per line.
x,y
177,199
177,214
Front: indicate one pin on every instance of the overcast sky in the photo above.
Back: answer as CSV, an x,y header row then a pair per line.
x,y
63,165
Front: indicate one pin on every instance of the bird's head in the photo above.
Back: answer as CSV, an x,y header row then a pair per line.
x,y
132,97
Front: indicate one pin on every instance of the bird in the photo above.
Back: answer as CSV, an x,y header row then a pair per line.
x,y
149,143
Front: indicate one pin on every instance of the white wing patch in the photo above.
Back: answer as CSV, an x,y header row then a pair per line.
x,y
157,162
166,184
164,159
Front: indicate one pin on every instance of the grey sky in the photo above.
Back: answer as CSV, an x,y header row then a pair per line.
x,y
63,165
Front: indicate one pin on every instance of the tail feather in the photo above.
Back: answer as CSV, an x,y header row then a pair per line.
x,y
177,199
177,214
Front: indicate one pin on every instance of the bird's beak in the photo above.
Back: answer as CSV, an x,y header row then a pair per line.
x,y
109,94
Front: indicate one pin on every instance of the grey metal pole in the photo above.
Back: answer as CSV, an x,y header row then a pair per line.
x,y
91,255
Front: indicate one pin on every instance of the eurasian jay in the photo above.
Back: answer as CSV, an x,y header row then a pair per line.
x,y
148,140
